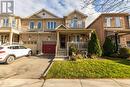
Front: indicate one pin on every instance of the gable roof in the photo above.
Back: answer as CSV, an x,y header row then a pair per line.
x,y
60,27
76,11
35,14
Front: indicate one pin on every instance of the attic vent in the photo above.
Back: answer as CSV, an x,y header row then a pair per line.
x,y
43,14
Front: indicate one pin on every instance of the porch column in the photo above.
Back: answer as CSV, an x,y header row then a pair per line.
x,y
57,44
67,44
89,35
10,37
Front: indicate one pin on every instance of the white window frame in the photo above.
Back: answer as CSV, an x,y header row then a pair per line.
x,y
73,21
30,26
41,24
108,21
117,21
5,24
51,27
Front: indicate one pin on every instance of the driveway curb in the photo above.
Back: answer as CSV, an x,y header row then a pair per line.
x,y
47,69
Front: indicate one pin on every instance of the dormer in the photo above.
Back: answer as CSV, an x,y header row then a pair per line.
x,y
75,20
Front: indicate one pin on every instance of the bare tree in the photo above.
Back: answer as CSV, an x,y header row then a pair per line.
x,y
108,5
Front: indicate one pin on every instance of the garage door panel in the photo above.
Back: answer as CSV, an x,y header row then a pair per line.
x,y
49,48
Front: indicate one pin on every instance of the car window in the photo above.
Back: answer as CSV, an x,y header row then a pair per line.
x,y
13,47
22,47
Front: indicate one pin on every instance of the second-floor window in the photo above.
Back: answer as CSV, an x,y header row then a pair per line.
x,y
51,25
129,20
117,22
5,22
74,22
31,24
39,25
13,23
108,21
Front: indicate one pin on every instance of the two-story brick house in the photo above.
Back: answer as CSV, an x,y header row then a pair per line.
x,y
50,34
9,28
47,33
109,24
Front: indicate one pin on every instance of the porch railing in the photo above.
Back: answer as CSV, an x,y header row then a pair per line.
x,y
81,46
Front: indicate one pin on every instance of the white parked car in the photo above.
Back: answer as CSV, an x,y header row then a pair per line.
x,y
8,53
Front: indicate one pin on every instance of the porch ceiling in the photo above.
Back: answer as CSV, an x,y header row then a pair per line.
x,y
75,30
8,30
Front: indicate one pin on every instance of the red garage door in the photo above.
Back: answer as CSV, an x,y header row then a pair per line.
x,y
48,48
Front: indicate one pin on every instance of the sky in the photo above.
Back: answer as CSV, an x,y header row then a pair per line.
x,y
59,7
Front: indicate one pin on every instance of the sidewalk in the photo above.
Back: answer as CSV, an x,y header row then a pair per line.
x,y
87,83
21,83
65,83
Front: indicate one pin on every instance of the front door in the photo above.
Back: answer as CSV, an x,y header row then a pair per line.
x,y
62,41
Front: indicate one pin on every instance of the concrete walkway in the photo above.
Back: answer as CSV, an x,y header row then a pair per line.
x,y
87,83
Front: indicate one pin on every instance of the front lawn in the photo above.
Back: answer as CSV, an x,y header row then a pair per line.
x,y
90,68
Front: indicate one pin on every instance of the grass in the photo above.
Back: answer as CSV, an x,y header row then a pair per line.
x,y
90,68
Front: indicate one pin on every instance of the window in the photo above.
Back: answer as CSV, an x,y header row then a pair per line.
x,y
13,23
31,25
117,22
74,22
5,22
48,25
108,21
51,25
78,38
129,20
39,25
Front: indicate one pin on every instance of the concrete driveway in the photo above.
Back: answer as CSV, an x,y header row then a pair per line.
x,y
24,68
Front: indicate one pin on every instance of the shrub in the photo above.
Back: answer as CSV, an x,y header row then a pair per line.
x,y
108,47
72,49
115,55
124,52
94,46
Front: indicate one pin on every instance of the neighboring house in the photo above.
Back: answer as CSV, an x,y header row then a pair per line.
x,y
110,24
9,28
49,34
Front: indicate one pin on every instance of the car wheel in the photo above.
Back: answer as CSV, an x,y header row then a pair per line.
x,y
29,53
10,59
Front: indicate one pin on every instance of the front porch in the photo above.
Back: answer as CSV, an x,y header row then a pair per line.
x,y
68,37
119,37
